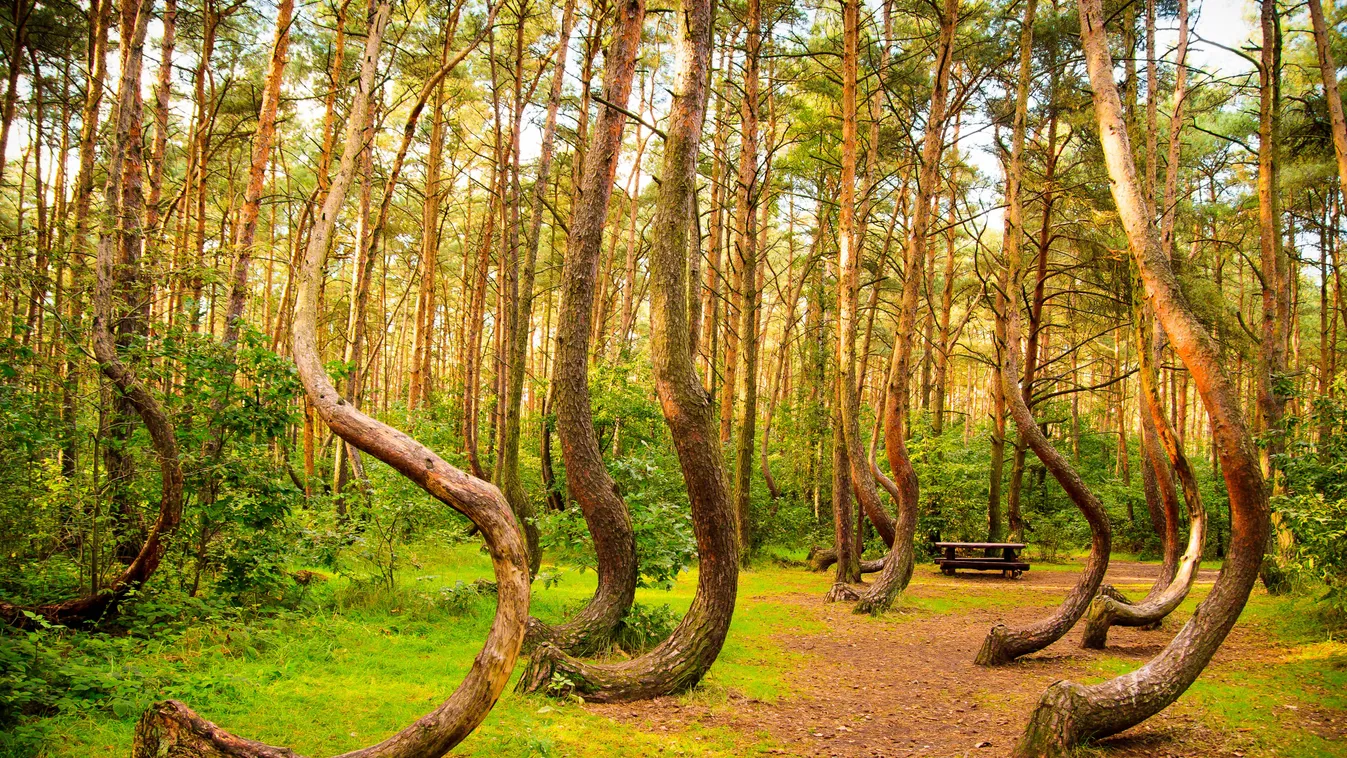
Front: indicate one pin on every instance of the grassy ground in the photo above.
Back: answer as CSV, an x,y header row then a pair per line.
x,y
345,678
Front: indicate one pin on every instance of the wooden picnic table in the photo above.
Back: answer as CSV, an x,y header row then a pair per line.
x,y
1009,563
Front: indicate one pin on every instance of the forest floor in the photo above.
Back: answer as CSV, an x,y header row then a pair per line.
x,y
797,677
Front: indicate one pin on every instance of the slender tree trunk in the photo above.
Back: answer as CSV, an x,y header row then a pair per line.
x,y
430,244
1274,384
116,274
1011,241
1003,644
944,346
170,727
1039,298
508,478
21,15
749,195
849,246
899,563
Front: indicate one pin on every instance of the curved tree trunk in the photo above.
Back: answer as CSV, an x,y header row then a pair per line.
x,y
123,231
898,565
1107,609
679,662
849,251
586,475
170,728
1003,644
1068,713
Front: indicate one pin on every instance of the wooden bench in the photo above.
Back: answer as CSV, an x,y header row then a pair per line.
x,y
1009,564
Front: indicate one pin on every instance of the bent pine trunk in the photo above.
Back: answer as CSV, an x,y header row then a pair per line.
x,y
898,566
1107,609
1068,713
170,728
678,663
604,511
123,231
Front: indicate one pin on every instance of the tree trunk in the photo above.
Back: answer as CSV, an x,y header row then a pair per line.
x,y
122,232
21,15
1108,608
898,565
588,479
1003,644
849,246
747,250
508,478
1039,298
430,242
1069,714
1275,386
679,662
170,727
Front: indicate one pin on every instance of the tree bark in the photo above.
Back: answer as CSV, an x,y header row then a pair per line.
x,y
849,247
898,565
679,662
591,486
123,231
1069,714
1108,608
746,248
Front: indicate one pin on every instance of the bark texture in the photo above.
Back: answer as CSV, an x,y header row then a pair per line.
x,y
122,233
1004,644
587,476
898,566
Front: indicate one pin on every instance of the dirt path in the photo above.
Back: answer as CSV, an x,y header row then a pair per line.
x,y
905,684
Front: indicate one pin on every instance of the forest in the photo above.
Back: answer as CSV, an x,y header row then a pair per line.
x,y
392,378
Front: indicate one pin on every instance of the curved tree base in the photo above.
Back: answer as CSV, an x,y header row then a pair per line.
x,y
1001,646
879,598
170,728
586,633
1112,609
1052,731
841,592
665,671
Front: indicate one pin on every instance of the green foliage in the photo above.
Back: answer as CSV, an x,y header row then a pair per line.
x,y
643,627
1314,508
652,486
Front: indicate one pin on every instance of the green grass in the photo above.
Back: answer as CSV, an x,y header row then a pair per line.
x,y
370,662
330,682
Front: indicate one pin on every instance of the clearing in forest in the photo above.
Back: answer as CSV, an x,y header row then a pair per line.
x,y
797,677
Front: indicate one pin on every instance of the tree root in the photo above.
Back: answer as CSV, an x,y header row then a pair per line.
x,y
841,592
